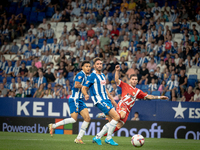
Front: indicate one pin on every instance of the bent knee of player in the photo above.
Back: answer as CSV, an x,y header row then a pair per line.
x,y
87,119
122,114
116,117
74,117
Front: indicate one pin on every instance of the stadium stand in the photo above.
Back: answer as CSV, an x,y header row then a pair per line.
x,y
43,42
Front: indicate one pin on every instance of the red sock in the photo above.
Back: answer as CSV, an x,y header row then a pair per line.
x,y
116,129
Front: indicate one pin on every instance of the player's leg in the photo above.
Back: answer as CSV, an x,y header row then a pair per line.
x,y
106,107
85,114
111,126
74,114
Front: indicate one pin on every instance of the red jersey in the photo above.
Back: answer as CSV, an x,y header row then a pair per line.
x,y
129,90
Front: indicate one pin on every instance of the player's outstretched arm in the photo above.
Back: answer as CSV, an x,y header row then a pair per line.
x,y
117,69
156,97
84,91
111,99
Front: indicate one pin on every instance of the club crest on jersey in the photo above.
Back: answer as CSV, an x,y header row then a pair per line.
x,y
76,108
87,82
103,82
133,93
79,77
108,107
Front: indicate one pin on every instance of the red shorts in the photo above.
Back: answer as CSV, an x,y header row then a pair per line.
x,y
121,106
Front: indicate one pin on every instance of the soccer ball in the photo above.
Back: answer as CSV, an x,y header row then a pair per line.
x,y
137,140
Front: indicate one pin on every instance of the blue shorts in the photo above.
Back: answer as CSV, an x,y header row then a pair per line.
x,y
76,105
105,106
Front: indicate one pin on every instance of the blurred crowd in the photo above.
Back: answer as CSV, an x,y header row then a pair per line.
x,y
138,35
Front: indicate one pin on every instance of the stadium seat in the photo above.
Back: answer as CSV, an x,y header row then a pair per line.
x,y
25,79
53,84
149,92
40,45
197,25
35,4
33,91
26,10
191,82
168,24
49,41
168,94
9,79
33,17
156,93
145,87
192,71
33,9
14,4
33,46
19,11
110,76
40,41
70,74
28,63
178,36
1,79
50,12
40,17
193,77
138,86
12,10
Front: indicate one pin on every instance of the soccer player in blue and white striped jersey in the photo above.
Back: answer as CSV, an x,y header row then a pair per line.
x,y
102,99
76,104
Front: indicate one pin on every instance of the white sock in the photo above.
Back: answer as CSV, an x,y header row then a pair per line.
x,y
111,128
82,130
103,131
63,122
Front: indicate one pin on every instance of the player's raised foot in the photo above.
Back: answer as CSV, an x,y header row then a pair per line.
x,y
78,141
111,142
95,140
51,129
100,115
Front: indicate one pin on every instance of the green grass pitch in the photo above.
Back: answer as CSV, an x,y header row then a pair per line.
x,y
36,141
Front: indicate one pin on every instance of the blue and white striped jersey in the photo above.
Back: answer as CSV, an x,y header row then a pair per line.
x,y
198,17
76,92
3,64
141,60
28,54
97,85
45,48
30,38
61,82
153,87
9,69
57,16
172,84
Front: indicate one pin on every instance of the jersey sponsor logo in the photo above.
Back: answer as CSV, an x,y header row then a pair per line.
x,y
103,82
79,77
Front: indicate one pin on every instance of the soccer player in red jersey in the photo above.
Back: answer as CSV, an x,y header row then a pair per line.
x,y
129,94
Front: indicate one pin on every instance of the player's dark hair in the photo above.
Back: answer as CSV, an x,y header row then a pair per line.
x,y
85,62
197,89
133,75
136,112
96,59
